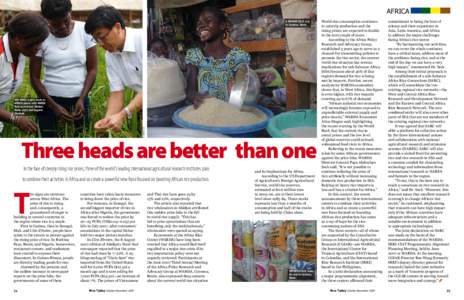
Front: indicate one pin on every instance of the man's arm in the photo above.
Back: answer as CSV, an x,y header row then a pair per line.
x,y
136,103
115,103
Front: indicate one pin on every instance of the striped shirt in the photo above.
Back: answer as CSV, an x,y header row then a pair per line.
x,y
11,75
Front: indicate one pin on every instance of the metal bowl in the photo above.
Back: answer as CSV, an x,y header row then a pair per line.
x,y
246,87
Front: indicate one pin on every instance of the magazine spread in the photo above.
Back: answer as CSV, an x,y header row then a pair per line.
x,y
233,149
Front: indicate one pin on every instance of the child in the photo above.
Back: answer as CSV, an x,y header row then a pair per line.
x,y
210,70
161,49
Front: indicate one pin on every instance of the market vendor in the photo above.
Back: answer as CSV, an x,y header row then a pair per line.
x,y
25,34
211,69
70,64
124,63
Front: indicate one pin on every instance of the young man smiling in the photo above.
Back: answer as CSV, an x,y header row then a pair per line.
x,y
124,63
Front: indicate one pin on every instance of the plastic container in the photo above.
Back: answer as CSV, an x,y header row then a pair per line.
x,y
239,131
280,125
166,84
174,132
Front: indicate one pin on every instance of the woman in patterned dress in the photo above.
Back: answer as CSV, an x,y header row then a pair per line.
x,y
210,70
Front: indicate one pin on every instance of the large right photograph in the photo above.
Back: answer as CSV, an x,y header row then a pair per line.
x,y
232,68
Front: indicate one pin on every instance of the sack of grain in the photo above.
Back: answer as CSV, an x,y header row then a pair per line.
x,y
305,228
237,266
261,242
278,272
261,270
302,271
306,241
247,234
278,242
237,240
248,269
237,250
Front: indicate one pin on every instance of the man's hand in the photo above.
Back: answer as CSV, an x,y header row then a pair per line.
x,y
113,122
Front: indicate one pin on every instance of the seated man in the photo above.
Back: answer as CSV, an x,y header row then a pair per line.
x,y
124,63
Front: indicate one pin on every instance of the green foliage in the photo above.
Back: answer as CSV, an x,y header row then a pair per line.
x,y
97,95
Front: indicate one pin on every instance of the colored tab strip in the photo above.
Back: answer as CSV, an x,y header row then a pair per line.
x,y
416,10
430,10
445,10
425,10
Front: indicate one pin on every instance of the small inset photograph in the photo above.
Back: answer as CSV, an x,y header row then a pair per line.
x,y
277,250
232,68
71,68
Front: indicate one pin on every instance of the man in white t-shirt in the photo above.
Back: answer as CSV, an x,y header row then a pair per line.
x,y
124,63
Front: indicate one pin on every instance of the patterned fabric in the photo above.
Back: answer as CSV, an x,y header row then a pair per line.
x,y
214,74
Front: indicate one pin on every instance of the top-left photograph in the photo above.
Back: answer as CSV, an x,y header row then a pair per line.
x,y
71,68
